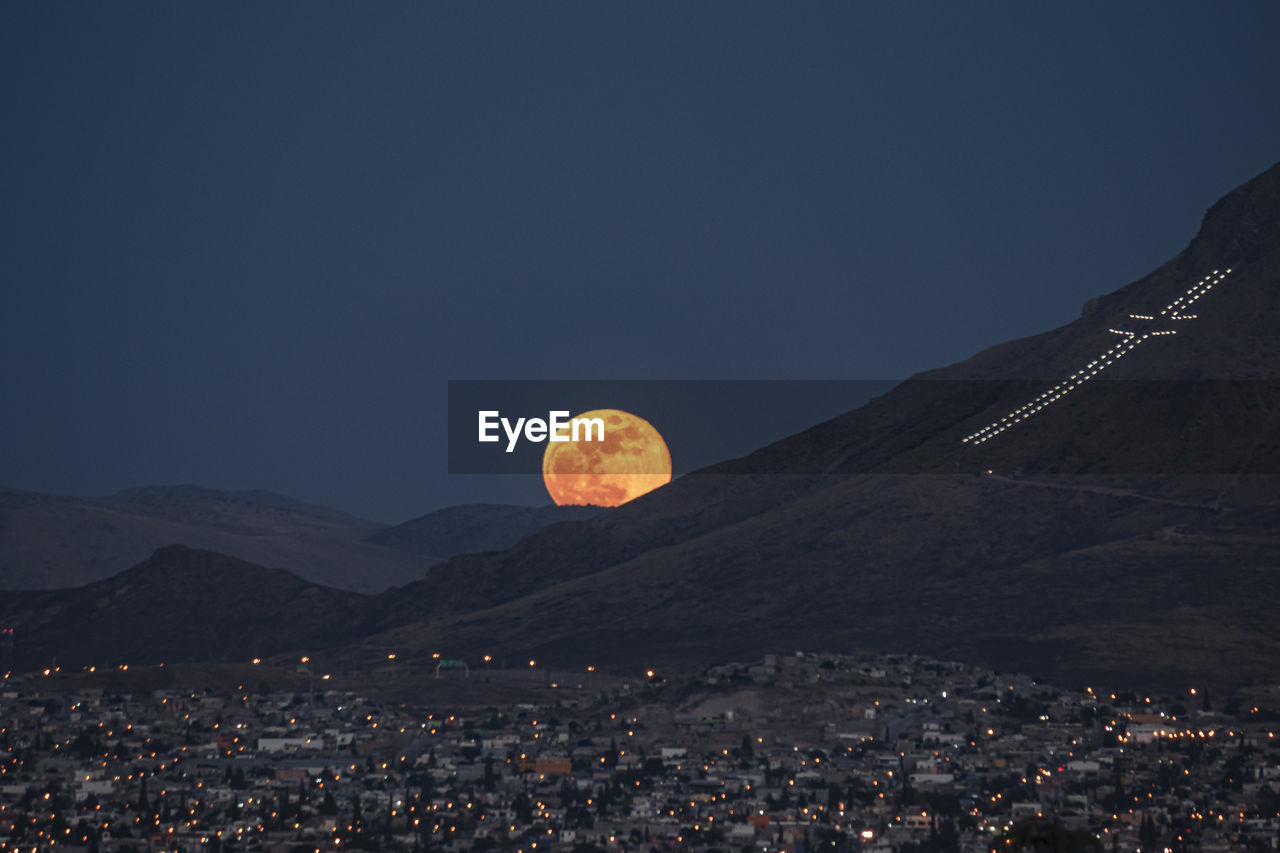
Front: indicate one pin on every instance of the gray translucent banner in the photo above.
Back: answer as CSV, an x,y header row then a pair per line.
x,y
886,426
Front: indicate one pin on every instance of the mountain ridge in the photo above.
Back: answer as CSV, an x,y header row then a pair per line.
x,y
1110,536
179,604
60,541
850,474
466,528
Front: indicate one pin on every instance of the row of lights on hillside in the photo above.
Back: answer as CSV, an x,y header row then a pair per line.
x,y
1129,341
303,661
391,656
48,672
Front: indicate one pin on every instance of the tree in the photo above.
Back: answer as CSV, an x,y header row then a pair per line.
x,y
523,808
1050,835
1148,835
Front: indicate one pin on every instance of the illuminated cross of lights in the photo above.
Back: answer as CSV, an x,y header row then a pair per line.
x,y
1129,340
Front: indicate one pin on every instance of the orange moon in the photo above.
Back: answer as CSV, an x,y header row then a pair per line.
x,y
632,460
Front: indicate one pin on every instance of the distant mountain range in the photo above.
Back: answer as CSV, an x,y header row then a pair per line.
x,y
474,527
1125,530
53,541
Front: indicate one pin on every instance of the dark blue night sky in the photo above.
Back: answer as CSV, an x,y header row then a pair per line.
x,y
247,244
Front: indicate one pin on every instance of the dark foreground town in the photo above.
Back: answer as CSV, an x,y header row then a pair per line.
x,y
792,753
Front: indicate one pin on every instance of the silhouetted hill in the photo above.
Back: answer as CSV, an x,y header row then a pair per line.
x,y
53,541
180,604
474,527
166,501
1129,530
1115,534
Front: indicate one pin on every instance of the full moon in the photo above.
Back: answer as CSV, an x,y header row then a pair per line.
x,y
632,460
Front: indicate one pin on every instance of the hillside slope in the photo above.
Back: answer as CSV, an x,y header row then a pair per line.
x,y
1113,534
54,541
474,527
58,542
1127,531
180,604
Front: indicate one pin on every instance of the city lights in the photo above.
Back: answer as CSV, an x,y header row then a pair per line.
x,y
569,761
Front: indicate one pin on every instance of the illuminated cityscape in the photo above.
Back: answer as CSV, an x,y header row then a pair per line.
x,y
734,756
